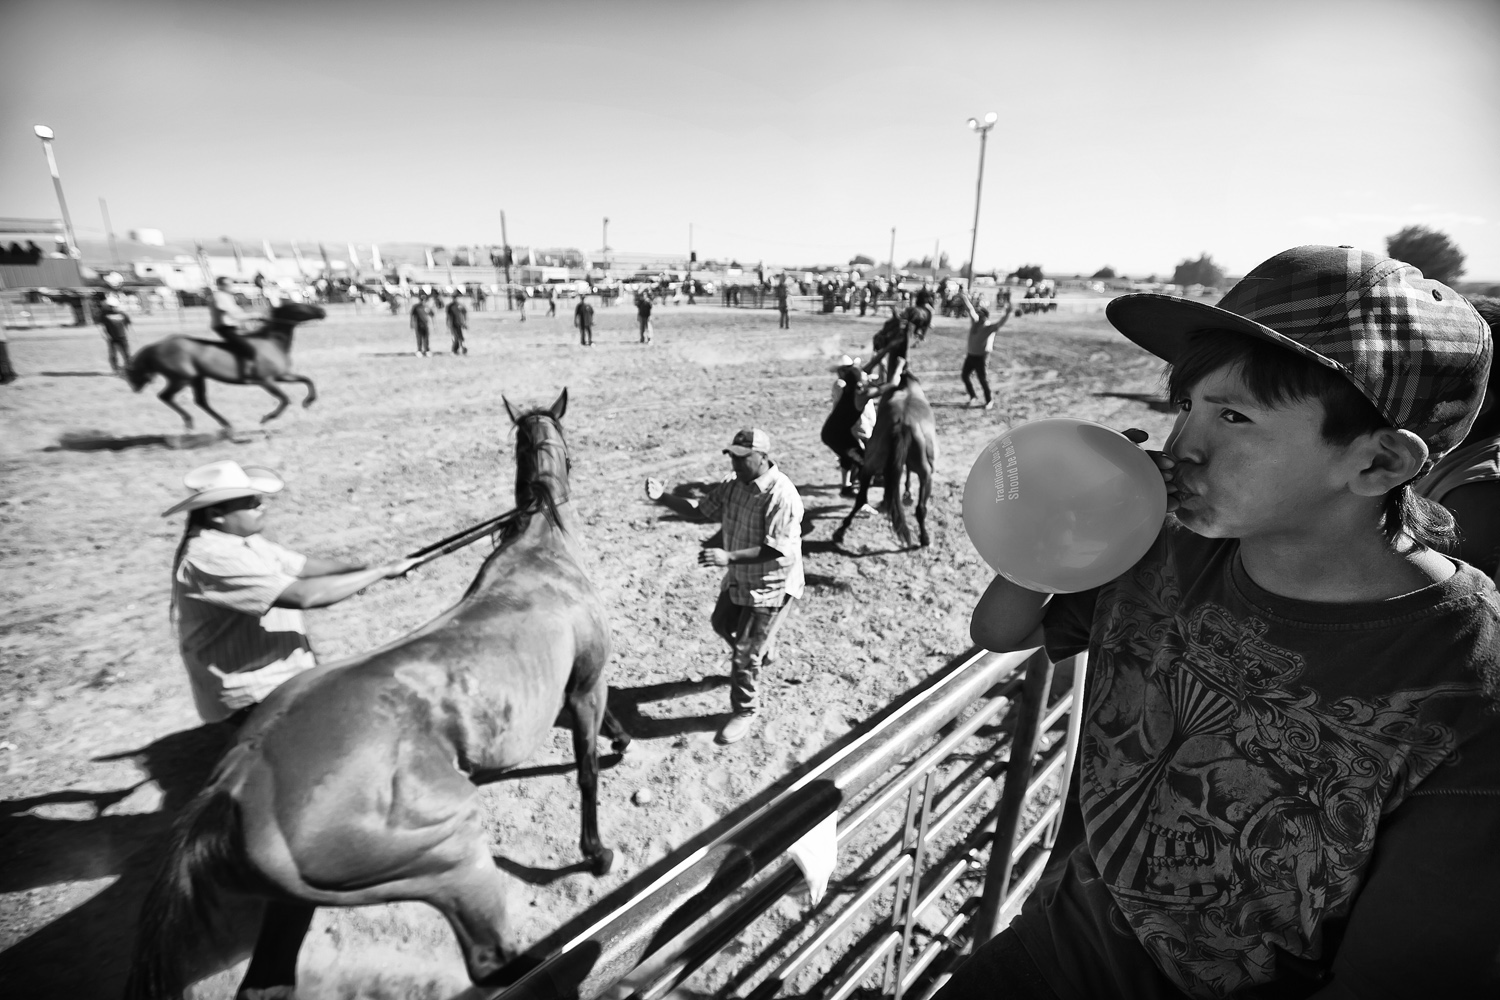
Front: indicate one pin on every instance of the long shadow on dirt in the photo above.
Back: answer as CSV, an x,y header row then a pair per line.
x,y
606,761
828,547
105,441
626,704
540,876
86,952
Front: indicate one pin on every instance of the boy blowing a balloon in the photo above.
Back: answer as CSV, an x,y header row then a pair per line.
x,y
1289,778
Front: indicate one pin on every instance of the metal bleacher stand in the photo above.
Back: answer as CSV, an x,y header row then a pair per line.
x,y
940,820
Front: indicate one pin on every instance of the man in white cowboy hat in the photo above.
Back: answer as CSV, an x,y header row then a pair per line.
x,y
238,597
761,515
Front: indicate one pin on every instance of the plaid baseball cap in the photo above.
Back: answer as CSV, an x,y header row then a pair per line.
x,y
1415,348
748,440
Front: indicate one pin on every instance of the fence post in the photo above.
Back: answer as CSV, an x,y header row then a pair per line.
x,y
1023,747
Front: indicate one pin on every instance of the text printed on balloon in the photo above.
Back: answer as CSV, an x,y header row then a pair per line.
x,y
1007,476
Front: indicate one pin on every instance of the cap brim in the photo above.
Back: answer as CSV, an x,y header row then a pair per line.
x,y
739,449
1162,325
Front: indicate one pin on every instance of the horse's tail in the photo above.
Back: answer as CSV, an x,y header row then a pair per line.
x,y
137,372
207,846
895,462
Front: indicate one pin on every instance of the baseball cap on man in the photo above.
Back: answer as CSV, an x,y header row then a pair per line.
x,y
1413,347
748,440
218,482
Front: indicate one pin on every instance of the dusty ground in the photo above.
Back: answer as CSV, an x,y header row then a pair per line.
x,y
99,744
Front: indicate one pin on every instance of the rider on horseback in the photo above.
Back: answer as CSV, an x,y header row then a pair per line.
x,y
232,324
894,340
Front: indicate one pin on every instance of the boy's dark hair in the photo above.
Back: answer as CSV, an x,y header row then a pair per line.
x,y
1275,376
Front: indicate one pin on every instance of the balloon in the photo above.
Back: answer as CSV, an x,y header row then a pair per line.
x,y
1063,505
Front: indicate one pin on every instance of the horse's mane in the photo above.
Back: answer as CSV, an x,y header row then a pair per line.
x,y
541,492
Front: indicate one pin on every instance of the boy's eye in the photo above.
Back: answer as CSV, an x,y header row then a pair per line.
x,y
1233,417
1183,404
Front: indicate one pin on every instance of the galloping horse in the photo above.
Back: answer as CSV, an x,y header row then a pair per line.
x,y
184,360
352,783
904,440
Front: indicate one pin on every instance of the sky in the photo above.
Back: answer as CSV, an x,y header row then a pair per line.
x,y
1133,135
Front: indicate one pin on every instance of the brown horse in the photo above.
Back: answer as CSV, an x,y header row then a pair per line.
x,y
904,440
184,360
353,782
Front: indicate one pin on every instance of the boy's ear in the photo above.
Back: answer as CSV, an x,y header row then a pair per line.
x,y
1390,458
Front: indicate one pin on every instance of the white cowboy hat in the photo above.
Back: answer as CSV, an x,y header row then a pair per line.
x,y
217,482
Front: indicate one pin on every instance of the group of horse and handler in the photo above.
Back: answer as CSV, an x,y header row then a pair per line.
x,y
355,782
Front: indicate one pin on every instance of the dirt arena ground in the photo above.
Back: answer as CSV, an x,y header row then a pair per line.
x,y
99,742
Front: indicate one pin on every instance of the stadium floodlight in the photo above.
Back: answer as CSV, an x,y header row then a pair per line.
x,y
984,132
47,135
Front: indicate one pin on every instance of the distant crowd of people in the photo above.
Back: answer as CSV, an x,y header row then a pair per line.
x,y
14,253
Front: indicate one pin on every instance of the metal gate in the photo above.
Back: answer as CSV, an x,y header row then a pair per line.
x,y
909,803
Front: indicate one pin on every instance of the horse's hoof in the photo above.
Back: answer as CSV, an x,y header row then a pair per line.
x,y
926,541
907,500
620,745
601,863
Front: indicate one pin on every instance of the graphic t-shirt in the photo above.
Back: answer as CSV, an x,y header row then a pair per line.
x,y
1276,794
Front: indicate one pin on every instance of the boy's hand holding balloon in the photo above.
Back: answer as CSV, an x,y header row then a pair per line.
x,y
1164,462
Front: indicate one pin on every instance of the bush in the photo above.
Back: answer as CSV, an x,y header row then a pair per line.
x,y
1429,251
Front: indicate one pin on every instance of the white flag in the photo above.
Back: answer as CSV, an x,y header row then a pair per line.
x,y
266,245
430,261
353,257
817,854
375,258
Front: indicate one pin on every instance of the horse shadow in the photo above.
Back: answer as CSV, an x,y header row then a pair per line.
x,y
37,850
540,876
93,440
829,547
78,374
625,704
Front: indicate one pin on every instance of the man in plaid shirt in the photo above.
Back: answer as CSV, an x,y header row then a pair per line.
x,y
761,515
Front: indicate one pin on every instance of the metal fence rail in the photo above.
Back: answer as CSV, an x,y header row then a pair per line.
x,y
652,934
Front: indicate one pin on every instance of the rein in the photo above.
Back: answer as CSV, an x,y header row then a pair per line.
x,y
468,536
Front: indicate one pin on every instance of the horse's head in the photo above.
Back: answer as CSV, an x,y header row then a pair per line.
x,y
292,313
888,332
542,459
851,374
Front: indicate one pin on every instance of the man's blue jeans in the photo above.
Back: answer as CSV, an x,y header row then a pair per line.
x,y
751,633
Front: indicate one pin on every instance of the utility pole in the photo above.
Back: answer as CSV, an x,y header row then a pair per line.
x,y
605,250
505,257
691,255
890,273
114,253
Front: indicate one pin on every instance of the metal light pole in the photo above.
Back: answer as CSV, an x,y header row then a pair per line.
x,y
605,250
114,253
505,258
46,135
984,134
